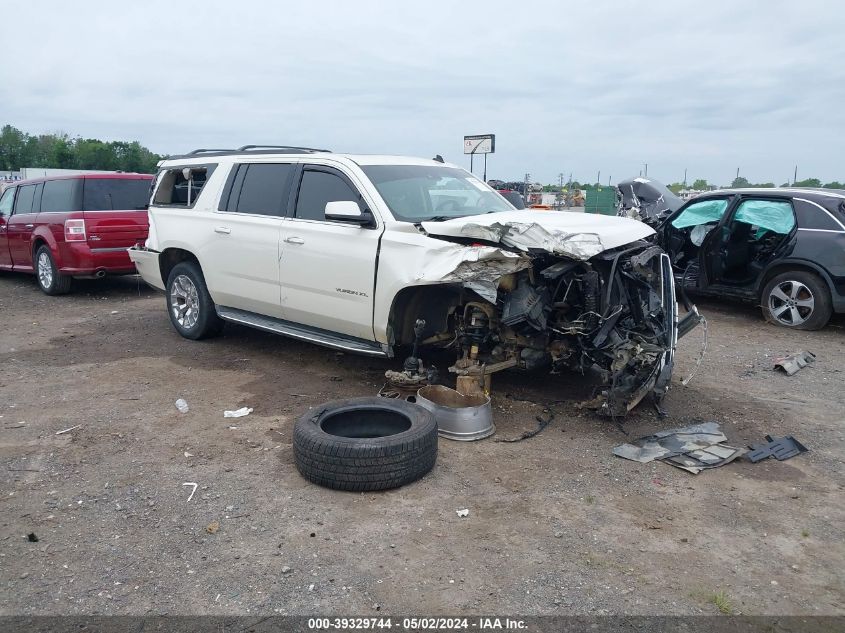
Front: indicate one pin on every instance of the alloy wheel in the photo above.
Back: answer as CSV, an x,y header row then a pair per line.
x,y
791,303
184,301
45,270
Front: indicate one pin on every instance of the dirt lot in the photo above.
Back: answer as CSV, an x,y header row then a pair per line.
x,y
557,524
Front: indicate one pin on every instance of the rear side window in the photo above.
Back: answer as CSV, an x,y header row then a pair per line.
x,y
61,195
23,203
107,194
318,188
766,215
260,188
181,186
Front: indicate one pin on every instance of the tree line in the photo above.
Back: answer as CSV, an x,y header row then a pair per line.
x,y
19,149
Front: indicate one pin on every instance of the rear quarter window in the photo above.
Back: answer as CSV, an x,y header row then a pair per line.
x,y
112,194
815,216
181,186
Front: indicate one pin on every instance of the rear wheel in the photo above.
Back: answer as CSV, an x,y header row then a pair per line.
x,y
189,305
50,280
798,300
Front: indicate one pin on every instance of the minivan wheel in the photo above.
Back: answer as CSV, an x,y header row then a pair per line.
x,y
798,300
50,280
189,305
365,444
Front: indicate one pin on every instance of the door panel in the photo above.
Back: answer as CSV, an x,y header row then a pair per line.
x,y
6,203
328,268
21,224
241,255
240,260
327,276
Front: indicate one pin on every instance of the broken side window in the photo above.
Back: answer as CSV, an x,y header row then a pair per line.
x,y
181,186
703,212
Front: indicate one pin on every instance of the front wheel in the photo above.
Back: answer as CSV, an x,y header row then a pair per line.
x,y
189,305
50,280
798,300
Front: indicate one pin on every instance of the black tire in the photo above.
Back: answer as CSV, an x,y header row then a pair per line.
x,y
55,283
199,320
799,287
365,444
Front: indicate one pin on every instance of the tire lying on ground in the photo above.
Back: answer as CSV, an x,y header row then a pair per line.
x,y
365,444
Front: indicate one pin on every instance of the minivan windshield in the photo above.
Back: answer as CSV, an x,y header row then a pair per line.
x,y
107,194
419,193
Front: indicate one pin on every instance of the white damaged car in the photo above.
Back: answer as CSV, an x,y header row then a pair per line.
x,y
370,254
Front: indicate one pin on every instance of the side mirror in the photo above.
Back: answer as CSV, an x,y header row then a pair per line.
x,y
348,211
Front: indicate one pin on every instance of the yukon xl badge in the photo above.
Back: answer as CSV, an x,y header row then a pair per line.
x,y
352,292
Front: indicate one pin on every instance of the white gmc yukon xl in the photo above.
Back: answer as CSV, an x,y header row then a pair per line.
x,y
353,252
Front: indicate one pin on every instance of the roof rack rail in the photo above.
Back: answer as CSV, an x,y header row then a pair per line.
x,y
246,148
203,151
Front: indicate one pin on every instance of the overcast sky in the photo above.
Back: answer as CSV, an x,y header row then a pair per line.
x,y
575,86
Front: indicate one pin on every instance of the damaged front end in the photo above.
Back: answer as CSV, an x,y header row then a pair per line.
x,y
614,315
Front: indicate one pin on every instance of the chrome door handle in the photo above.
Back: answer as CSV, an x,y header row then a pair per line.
x,y
29,226
294,240
224,230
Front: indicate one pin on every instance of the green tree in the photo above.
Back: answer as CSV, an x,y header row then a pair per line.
x,y
740,181
834,185
700,185
809,182
675,187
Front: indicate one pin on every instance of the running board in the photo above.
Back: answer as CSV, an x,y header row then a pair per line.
x,y
301,332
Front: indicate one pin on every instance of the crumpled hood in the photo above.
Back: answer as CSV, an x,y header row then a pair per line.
x,y
577,235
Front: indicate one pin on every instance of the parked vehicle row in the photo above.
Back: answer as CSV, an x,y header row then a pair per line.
x,y
72,226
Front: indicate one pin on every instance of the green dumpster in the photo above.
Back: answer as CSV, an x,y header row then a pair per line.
x,y
601,200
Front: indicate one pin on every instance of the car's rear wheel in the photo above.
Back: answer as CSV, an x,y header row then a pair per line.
x,y
50,280
798,300
189,304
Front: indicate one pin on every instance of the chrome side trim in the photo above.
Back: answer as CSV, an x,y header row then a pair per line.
x,y
110,250
301,332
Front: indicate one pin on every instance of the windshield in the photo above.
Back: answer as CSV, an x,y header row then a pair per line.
x,y
418,193
106,194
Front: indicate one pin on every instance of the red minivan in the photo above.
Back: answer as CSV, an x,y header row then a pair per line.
x,y
73,226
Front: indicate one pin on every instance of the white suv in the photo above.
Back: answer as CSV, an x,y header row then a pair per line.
x,y
353,252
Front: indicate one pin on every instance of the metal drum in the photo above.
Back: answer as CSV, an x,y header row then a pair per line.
x,y
459,417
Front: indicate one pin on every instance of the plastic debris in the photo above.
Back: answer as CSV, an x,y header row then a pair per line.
x,y
780,448
238,413
462,513
187,454
182,405
191,483
794,363
68,430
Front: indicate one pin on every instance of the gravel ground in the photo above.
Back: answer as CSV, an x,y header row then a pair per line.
x,y
556,525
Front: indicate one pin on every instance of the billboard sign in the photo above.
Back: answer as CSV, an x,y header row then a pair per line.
x,y
480,144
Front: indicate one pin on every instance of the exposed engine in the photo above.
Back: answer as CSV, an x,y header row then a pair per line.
x,y
613,315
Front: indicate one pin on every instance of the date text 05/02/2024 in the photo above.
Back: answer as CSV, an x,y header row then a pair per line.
x,y
417,624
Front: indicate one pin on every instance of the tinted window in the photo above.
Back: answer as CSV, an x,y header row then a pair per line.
x,y
59,195
23,204
6,202
264,189
319,188
814,216
104,194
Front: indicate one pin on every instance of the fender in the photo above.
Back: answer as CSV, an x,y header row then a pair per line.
x,y
804,263
42,233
